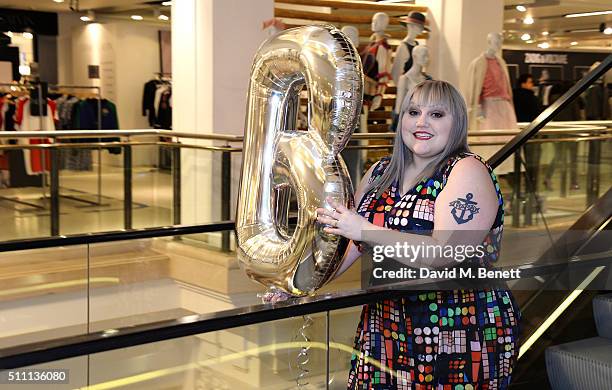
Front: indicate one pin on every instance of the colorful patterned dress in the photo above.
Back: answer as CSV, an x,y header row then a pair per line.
x,y
449,340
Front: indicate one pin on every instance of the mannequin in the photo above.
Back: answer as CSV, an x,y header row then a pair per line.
x,y
415,24
413,77
353,35
489,98
376,59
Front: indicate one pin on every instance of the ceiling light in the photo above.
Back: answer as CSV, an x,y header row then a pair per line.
x,y
528,20
136,17
608,31
574,43
521,8
166,3
580,15
58,1
163,17
525,37
89,17
544,45
545,33
28,35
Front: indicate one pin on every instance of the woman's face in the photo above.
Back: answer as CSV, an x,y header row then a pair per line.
x,y
426,129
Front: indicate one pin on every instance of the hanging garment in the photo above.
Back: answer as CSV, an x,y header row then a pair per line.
x,y
164,110
36,160
86,118
148,100
76,159
375,77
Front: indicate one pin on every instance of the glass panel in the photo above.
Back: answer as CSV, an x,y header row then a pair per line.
x,y
263,356
43,294
91,190
151,185
166,278
342,329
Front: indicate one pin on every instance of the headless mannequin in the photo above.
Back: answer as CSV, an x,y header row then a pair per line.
x,y
353,35
413,76
377,78
402,55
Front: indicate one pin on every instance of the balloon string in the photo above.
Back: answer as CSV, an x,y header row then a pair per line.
x,y
303,357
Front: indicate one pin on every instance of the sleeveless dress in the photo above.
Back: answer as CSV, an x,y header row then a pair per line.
x,y
449,340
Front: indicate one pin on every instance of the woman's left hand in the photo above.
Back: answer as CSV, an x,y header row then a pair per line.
x,y
342,221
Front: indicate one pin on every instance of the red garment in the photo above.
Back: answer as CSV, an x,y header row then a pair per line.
x,y
494,84
34,158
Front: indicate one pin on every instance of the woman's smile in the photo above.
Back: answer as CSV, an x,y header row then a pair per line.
x,y
422,135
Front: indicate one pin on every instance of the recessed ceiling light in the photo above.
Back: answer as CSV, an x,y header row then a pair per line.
x,y
545,33
136,17
525,37
58,1
544,45
163,17
580,15
574,43
166,3
521,8
28,35
608,31
528,20
85,18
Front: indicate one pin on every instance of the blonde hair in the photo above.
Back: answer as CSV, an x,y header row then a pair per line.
x,y
429,92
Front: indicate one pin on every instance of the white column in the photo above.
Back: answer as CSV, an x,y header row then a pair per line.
x,y
459,34
213,44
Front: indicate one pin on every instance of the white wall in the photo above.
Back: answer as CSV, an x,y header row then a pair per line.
x,y
128,55
213,45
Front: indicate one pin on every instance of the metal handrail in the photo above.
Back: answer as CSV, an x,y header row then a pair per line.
x,y
563,127
113,339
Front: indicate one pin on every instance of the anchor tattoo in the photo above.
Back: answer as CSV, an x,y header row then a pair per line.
x,y
462,206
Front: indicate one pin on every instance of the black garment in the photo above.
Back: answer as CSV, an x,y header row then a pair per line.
x,y
164,111
526,105
409,63
148,100
594,98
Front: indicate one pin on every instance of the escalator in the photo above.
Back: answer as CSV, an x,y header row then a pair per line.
x,y
560,240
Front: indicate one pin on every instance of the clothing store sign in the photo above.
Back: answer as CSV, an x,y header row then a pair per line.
x,y
537,58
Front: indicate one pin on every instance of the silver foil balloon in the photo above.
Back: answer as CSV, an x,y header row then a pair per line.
x,y
278,159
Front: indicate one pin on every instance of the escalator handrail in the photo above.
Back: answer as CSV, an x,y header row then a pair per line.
x,y
549,113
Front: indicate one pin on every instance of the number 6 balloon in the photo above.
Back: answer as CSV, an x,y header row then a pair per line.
x,y
278,159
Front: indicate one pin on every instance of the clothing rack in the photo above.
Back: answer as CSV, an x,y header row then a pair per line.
x,y
29,85
62,88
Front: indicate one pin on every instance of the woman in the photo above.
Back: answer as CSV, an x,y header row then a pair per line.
x,y
462,339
